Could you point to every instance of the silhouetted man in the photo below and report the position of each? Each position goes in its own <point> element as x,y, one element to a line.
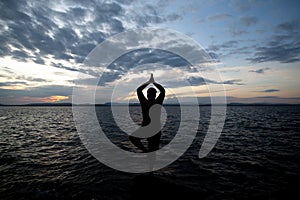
<point>146,104</point>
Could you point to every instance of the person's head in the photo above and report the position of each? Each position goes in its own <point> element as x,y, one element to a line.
<point>151,94</point>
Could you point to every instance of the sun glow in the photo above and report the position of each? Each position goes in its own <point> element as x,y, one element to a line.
<point>54,98</point>
<point>50,99</point>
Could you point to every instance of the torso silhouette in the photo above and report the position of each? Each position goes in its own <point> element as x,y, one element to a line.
<point>145,111</point>
<point>146,104</point>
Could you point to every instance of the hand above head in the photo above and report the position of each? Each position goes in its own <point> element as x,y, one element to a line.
<point>151,80</point>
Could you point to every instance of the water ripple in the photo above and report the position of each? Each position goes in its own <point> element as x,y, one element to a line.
<point>257,155</point>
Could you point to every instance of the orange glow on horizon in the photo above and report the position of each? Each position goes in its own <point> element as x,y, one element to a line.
<point>50,99</point>
<point>53,98</point>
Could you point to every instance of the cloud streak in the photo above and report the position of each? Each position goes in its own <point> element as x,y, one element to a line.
<point>248,20</point>
<point>284,47</point>
<point>270,90</point>
<point>260,71</point>
<point>222,16</point>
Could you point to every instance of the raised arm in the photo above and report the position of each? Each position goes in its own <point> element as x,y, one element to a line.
<point>159,87</point>
<point>162,91</point>
<point>140,94</point>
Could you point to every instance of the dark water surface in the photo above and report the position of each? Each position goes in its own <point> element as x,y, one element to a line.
<point>257,155</point>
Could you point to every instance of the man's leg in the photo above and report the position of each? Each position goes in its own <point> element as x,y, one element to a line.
<point>153,142</point>
<point>153,145</point>
<point>137,142</point>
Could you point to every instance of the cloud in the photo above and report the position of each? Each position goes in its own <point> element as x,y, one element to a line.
<point>248,20</point>
<point>13,83</point>
<point>214,56</point>
<point>284,46</point>
<point>226,45</point>
<point>68,30</point>
<point>260,71</point>
<point>268,97</point>
<point>29,78</point>
<point>289,26</point>
<point>41,91</point>
<point>221,16</point>
<point>230,70</point>
<point>270,90</point>
<point>227,48</point>
<point>140,60</point>
<point>146,56</point>
<point>234,82</point>
<point>237,32</point>
<point>283,53</point>
<point>108,77</point>
<point>198,81</point>
<point>173,17</point>
<point>61,66</point>
<point>243,5</point>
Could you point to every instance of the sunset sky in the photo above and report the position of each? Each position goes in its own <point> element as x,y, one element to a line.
<point>256,44</point>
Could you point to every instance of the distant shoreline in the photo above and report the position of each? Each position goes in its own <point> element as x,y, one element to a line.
<point>137,104</point>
